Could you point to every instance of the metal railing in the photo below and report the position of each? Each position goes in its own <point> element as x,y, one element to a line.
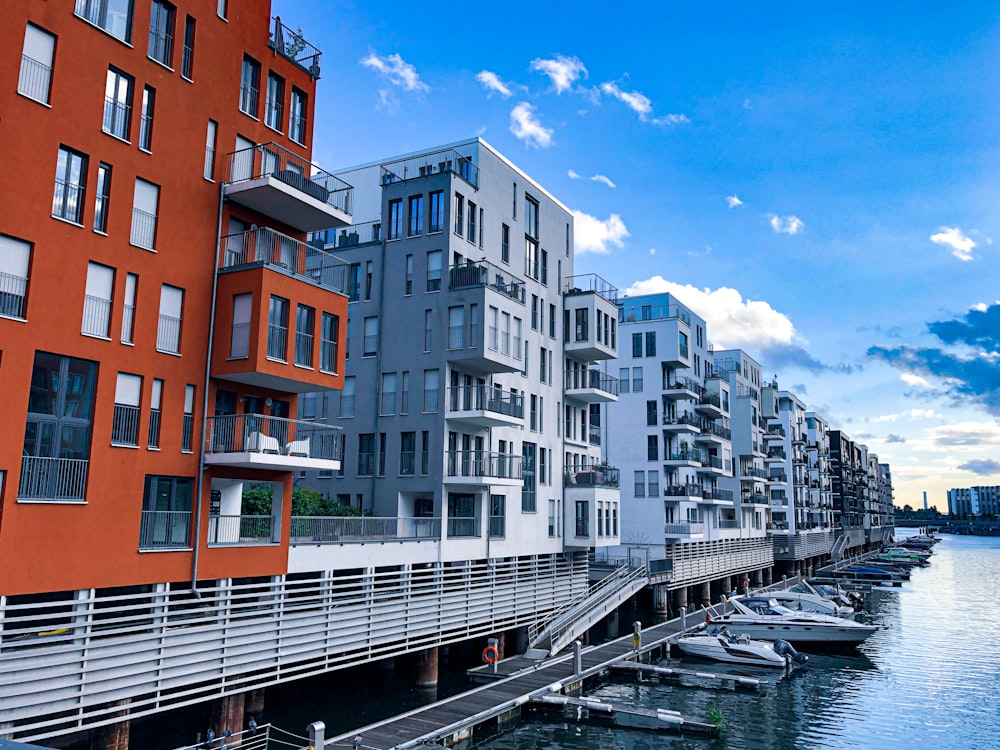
<point>718,494</point>
<point>240,530</point>
<point>146,132</point>
<point>777,453</point>
<point>128,320</point>
<point>187,61</point>
<point>464,527</point>
<point>168,334</point>
<point>594,434</point>
<point>257,433</point>
<point>711,462</point>
<point>684,528</point>
<point>456,336</point>
<point>45,478</point>
<point>753,471</point>
<point>303,349</point>
<point>361,529</point>
<point>683,490</point>
<point>117,117</point>
<point>407,463</point>
<point>34,79</point>
<point>96,316</point>
<point>328,355</point>
<point>482,397</point>
<point>710,399</point>
<point>684,456</point>
<point>249,96</point>
<point>727,524</point>
<point>290,45</point>
<point>161,46</point>
<point>680,419</point>
<point>351,236</point>
<point>274,160</point>
<point>366,463</point>
<point>482,273</point>
<point>13,295</point>
<point>268,247</point>
<point>125,425</point>
<point>591,282</point>
<point>712,428</point>
<point>461,463</point>
<point>277,341</point>
<point>683,383</point>
<point>592,475</point>
<point>153,439</point>
<point>629,313</point>
<point>187,431</point>
<point>165,529</point>
<point>593,379</point>
<point>143,232</point>
<point>67,200</point>
<point>437,162</point>
<point>755,498</point>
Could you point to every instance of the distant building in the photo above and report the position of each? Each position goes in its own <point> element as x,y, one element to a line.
<point>974,501</point>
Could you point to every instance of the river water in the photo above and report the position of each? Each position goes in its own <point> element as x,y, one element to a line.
<point>930,682</point>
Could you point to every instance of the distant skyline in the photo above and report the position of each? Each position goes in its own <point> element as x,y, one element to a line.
<point>818,182</point>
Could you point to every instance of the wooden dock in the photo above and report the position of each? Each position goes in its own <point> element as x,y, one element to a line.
<point>519,682</point>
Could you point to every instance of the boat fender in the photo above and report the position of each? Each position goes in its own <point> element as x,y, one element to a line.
<point>784,648</point>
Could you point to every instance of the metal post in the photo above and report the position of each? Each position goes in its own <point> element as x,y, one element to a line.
<point>577,657</point>
<point>683,611</point>
<point>317,734</point>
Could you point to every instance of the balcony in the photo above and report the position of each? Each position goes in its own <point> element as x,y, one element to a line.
<point>682,458</point>
<point>591,333</point>
<point>45,478</point>
<point>690,490</point>
<point>629,312</point>
<point>715,496</point>
<point>480,469</point>
<point>777,478</point>
<point>684,530</point>
<point>714,465</point>
<point>711,432</point>
<point>362,529</point>
<point>268,248</point>
<point>483,405</point>
<point>165,529</point>
<point>753,498</point>
<point>591,475</point>
<point>256,441</point>
<point>275,182</point>
<point>774,432</point>
<point>290,45</point>
<point>682,423</point>
<point>709,405</point>
<point>682,389</point>
<point>483,274</point>
<point>752,473</point>
<point>775,455</point>
<point>242,531</point>
<point>447,161</point>
<point>591,386</point>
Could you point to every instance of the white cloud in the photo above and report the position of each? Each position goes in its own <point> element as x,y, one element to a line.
<point>952,237</point>
<point>492,83</point>
<point>747,104</point>
<point>574,175</point>
<point>786,224</point>
<point>562,71</point>
<point>637,102</point>
<point>915,380</point>
<point>733,201</point>
<point>603,180</point>
<point>526,126</point>
<point>652,251</point>
<point>592,235</point>
<point>397,70</point>
<point>671,119</point>
<point>734,322</point>
<point>908,414</point>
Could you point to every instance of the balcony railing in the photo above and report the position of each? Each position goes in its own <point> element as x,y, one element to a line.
<point>463,527</point>
<point>684,456</point>
<point>241,530</point>
<point>592,475</point>
<point>726,523</point>
<point>290,45</point>
<point>13,295</point>
<point>277,342</point>
<point>775,429</point>
<point>591,282</point>
<point>684,528</point>
<point>754,498</point>
<point>239,347</point>
<point>168,334</point>
<point>67,200</point>
<point>753,471</point>
<point>629,312</point>
<point>125,425</point>
<point>257,433</point>
<point>96,316</point>
<point>718,494</point>
<point>778,477</point>
<point>482,397</point>
<point>116,118</point>
<point>683,383</point>
<point>428,164</point>
<point>710,399</point>
<point>483,464</point>
<point>361,529</point>
<point>594,379</point>
<point>165,529</point>
<point>143,233</point>
<point>484,274</point>
<point>678,419</point>
<point>34,79</point>
<point>273,249</point>
<point>777,453</point>
<point>350,236</point>
<point>594,434</point>
<point>683,490</point>
<point>303,349</point>
<point>274,160</point>
<point>44,478</point>
<point>718,430</point>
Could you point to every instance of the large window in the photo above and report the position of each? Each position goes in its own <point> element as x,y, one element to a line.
<point>297,116</point>
<point>505,244</point>
<point>168,333</point>
<point>239,342</point>
<point>161,32</point>
<point>498,516</point>
<point>145,203</point>
<point>529,485</point>
<point>213,127</point>
<point>650,343</point>
<point>187,59</point>
<point>125,422</point>
<point>15,257</point>
<point>416,215</point>
<point>117,104</point>
<point>437,211</point>
<point>146,120</point>
<point>388,404</point>
<point>57,432</point>
<point>97,300</point>
<point>277,329</point>
<point>407,454</point>
<point>582,518</point>
<point>71,173</point>
<point>432,387</point>
<point>370,337</point>
<point>103,200</point>
<point>275,101</point>
<point>114,16</point>
<point>249,86</point>
<point>636,344</point>
<point>456,327</point>
<point>166,512</point>
<point>305,324</point>
<point>328,343</point>
<point>155,400</point>
<point>35,79</point>
<point>434,271</point>
<point>395,229</point>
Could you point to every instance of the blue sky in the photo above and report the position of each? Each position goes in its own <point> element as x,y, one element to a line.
<point>817,180</point>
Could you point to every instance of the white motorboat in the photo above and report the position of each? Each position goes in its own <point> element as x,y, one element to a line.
<point>720,644</point>
<point>802,597</point>
<point>764,618</point>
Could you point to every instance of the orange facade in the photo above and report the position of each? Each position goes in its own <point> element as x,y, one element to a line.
<point>104,337</point>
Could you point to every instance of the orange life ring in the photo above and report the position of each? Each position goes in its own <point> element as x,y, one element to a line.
<point>491,655</point>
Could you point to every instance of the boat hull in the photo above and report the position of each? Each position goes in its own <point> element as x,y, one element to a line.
<point>798,633</point>
<point>711,647</point>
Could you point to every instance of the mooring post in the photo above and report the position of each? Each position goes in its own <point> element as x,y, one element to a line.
<point>683,611</point>
<point>317,734</point>
<point>577,657</point>
<point>636,635</point>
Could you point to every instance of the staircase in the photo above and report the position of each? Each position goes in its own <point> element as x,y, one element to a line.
<point>837,553</point>
<point>549,637</point>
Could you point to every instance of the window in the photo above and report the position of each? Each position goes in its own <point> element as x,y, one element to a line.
<point>168,332</point>
<point>623,379</point>
<point>277,329</point>
<point>636,344</point>
<point>582,324</point>
<point>366,454</point>
<point>347,396</point>
<point>187,58</point>
<point>117,104</point>
<point>329,336</point>
<point>650,343</point>
<point>408,276</point>
<point>156,397</point>
<point>305,324</point>
<point>530,216</point>
<point>128,308</point>
<point>395,219</point>
<point>431,388</point>
<point>239,345</point>
<point>437,211</point>
<point>381,454</point>
<point>404,393</point>
<point>531,258</point>
<point>274,101</point>
<point>533,413</point>
<point>15,256</point>
<point>482,221</point>
<point>552,321</point>
<point>221,9</point>
<point>249,86</point>
<point>505,243</point>
<point>166,512</point>
<point>370,348</point>
<point>161,32</point>
<point>71,172</point>
<point>428,334</point>
<point>97,300</point>
<point>407,454</point>
<point>553,527</point>
<point>434,271</point>
<point>498,516</point>
<point>528,488</point>
<point>494,334</point>
<point>653,483</point>
<point>459,214</point>
<point>57,432</point>
<point>517,342</point>
<point>534,312</point>
<point>582,518</point>
<point>35,79</point>
<point>125,423</point>
<point>471,236</point>
<point>545,267</point>
<point>456,327</point>
<point>416,215</point>
<point>639,485</point>
<point>101,204</point>
<point>146,120</point>
<point>542,364</point>
<point>651,412</point>
<point>213,127</point>
<point>114,16</point>
<point>145,201</point>
<point>297,117</point>
<point>388,405</point>
<point>637,380</point>
<point>425,445</point>
<point>682,342</point>
<point>354,282</point>
<point>652,448</point>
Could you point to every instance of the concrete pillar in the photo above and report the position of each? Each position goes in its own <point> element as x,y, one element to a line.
<point>113,736</point>
<point>661,602</point>
<point>253,706</point>
<point>767,576</point>
<point>501,644</point>
<point>227,714</point>
<point>680,597</point>
<point>521,640</point>
<point>426,675</point>
<point>727,585</point>
<point>612,625</point>
<point>705,595</point>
